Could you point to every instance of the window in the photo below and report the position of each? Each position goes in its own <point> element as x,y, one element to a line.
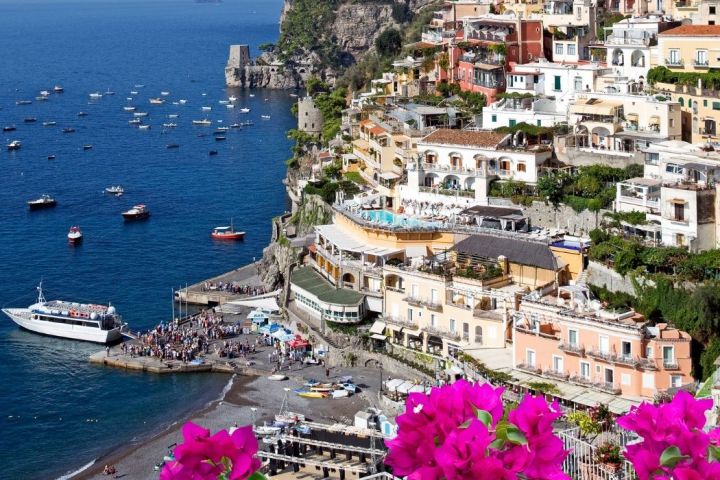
<point>648,352</point>
<point>712,10</point>
<point>478,335</point>
<point>573,337</point>
<point>705,103</point>
<point>668,355</point>
<point>558,363</point>
<point>653,158</point>
<point>505,164</point>
<point>452,325</point>
<point>466,332</point>
<point>512,122</point>
<point>710,127</point>
<point>625,379</point>
<point>604,344</point>
<point>494,119</point>
<point>414,291</point>
<point>572,49</point>
<point>585,370</point>
<point>432,320</point>
<point>410,314</point>
<point>521,166</point>
<point>680,239</point>
<point>559,48</point>
<point>626,349</point>
<point>675,381</point>
<point>716,106</point>
<point>537,122</point>
<point>578,13</point>
<point>674,168</point>
<point>648,380</point>
<point>674,57</point>
<point>556,87</point>
<point>530,358</point>
<point>609,377</point>
<point>536,78</point>
<point>672,123</point>
<point>679,212</point>
<point>701,57</point>
<point>681,101</point>
<point>578,84</point>
<point>434,296</point>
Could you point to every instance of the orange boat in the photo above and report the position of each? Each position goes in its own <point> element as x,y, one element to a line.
<point>226,233</point>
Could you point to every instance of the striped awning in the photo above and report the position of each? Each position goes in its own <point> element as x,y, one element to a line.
<point>654,120</point>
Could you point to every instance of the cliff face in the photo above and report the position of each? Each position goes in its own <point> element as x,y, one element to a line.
<point>321,44</point>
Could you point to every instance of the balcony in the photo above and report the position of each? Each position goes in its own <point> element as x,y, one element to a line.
<point>450,169</point>
<point>449,192</point>
<point>647,364</point>
<point>699,63</point>
<point>674,62</point>
<point>528,368</point>
<point>670,365</point>
<point>399,321</point>
<point>626,360</point>
<point>640,201</point>
<point>442,333</point>
<point>415,302</point>
<point>394,289</point>
<point>559,374</point>
<point>572,348</point>
<point>537,333</point>
<point>608,387</point>
<point>598,355</point>
<point>581,380</point>
<point>429,304</point>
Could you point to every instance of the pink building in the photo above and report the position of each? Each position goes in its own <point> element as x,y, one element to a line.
<point>569,337</point>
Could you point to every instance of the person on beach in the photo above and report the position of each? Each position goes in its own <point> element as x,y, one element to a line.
<point>107,351</point>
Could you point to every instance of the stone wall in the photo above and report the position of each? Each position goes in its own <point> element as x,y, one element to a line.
<point>602,276</point>
<point>544,215</point>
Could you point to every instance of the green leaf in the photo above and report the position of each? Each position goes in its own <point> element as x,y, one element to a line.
<point>515,435</point>
<point>465,424</point>
<point>671,456</point>
<point>497,444</point>
<point>257,476</point>
<point>484,416</point>
<point>713,453</point>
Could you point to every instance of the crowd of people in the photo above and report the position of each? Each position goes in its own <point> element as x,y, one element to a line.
<point>235,288</point>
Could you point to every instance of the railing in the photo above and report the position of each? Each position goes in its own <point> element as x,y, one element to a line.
<point>399,321</point>
<point>441,333</point>
<point>670,365</point>
<point>647,364</point>
<point>528,368</point>
<point>559,374</point>
<point>608,387</point>
<point>572,348</point>
<point>580,463</point>
<point>529,331</point>
<point>676,62</point>
<point>419,302</point>
<point>394,289</point>
<point>701,63</point>
<point>640,201</point>
<point>581,380</point>
<point>449,169</point>
<point>613,40</point>
<point>448,192</point>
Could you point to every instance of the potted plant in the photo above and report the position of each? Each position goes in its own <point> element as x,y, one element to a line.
<point>608,454</point>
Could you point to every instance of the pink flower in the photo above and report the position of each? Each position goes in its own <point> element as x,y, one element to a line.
<point>205,457</point>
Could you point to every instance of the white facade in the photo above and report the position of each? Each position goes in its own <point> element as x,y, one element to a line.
<point>507,113</point>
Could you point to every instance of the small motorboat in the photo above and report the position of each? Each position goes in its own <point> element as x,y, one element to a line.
<point>182,101</point>
<point>14,145</point>
<point>45,201</point>
<point>74,236</point>
<point>115,190</point>
<point>265,117</point>
<point>294,95</point>
<point>232,98</point>
<point>87,147</point>
<point>109,92</point>
<point>49,124</point>
<point>133,92</point>
<point>252,95</point>
<point>277,377</point>
<point>41,98</point>
<point>157,101</point>
<point>229,106</point>
<point>169,125</point>
<point>322,387</point>
<point>96,95</point>
<point>9,128</point>
<point>244,110</point>
<point>220,138</point>
<point>129,99</point>
<point>206,109</point>
<point>135,121</point>
<point>202,122</point>
<point>223,102</point>
<point>23,102</point>
<point>139,85</point>
<point>235,125</point>
<point>226,233</point>
<point>247,123</point>
<point>68,130</point>
<point>164,94</point>
<point>212,152</point>
<point>172,145</point>
<point>140,114</point>
<point>173,115</point>
<point>312,394</point>
<point>350,387</point>
<point>82,114</point>
<point>222,129</point>
<point>30,120</point>
<point>138,212</point>
<point>129,109</point>
<point>340,393</point>
<point>58,89</point>
<point>51,157</point>
<point>144,127</point>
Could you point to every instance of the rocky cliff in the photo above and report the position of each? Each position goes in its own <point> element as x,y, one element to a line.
<point>321,38</point>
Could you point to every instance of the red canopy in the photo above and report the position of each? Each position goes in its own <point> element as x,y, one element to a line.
<point>298,342</point>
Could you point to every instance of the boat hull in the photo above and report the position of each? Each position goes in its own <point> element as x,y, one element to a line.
<point>41,206</point>
<point>75,240</point>
<point>131,217</point>
<point>228,236</point>
<point>21,316</point>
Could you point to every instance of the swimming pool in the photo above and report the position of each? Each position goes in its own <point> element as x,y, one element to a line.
<point>390,218</point>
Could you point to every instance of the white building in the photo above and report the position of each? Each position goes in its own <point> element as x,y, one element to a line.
<point>508,112</point>
<point>677,194</point>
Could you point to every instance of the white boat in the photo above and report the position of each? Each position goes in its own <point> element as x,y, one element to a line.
<point>144,127</point>
<point>244,110</point>
<point>109,92</point>
<point>129,99</point>
<point>157,101</point>
<point>229,106</point>
<point>173,115</point>
<point>96,95</point>
<point>206,109</point>
<point>182,101</point>
<point>133,92</point>
<point>176,103</point>
<point>140,114</point>
<point>139,85</point>
<point>223,102</point>
<point>49,124</point>
<point>235,125</point>
<point>135,121</point>
<point>265,117</point>
<point>14,145</point>
<point>267,430</point>
<point>169,125</point>
<point>223,129</point>
<point>277,377</point>
<point>294,95</point>
<point>202,122</point>
<point>340,393</point>
<point>76,321</point>
<point>41,98</point>
<point>115,190</point>
<point>232,98</point>
<point>44,93</point>
<point>129,109</point>
<point>164,94</point>
<point>251,95</point>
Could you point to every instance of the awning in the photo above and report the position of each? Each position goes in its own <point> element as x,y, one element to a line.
<point>378,327</point>
<point>595,108</point>
<point>654,120</point>
<point>377,336</point>
<point>678,201</point>
<point>393,383</point>
<point>633,117</point>
<point>487,66</point>
<point>405,387</point>
<point>416,251</point>
<point>389,176</point>
<point>298,342</point>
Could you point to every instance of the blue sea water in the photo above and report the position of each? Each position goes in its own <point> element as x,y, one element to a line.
<point>57,412</point>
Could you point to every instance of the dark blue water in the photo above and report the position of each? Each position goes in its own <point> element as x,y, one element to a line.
<point>56,411</point>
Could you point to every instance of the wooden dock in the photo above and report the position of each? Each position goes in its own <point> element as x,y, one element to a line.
<point>198,295</point>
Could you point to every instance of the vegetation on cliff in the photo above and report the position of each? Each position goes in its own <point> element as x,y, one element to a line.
<point>304,29</point>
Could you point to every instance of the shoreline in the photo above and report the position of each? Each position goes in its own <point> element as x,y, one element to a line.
<point>124,451</point>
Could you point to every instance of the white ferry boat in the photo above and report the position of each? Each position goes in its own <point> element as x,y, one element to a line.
<point>76,321</point>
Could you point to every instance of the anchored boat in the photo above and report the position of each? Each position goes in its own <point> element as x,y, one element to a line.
<point>76,321</point>
<point>74,236</point>
<point>138,212</point>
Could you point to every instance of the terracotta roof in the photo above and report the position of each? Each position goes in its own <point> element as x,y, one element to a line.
<point>376,130</point>
<point>693,30</point>
<point>465,137</point>
<point>365,123</point>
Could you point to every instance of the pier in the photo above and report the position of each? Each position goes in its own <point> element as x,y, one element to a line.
<point>198,294</point>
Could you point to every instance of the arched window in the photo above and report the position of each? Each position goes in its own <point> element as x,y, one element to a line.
<point>478,335</point>
<point>689,102</point>
<point>521,167</point>
<point>681,101</point>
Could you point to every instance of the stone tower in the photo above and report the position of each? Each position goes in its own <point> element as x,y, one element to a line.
<point>235,68</point>
<point>310,119</point>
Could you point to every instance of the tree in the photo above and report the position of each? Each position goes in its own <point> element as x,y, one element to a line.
<point>551,185</point>
<point>389,42</point>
